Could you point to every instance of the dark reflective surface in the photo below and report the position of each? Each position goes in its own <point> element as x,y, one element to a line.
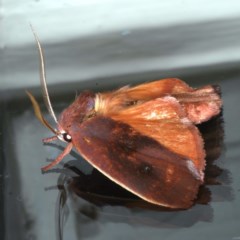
<point>76,202</point>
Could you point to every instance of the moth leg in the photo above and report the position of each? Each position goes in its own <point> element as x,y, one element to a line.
<point>59,158</point>
<point>50,139</point>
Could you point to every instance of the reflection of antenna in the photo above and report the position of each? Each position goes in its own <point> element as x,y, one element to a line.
<point>43,78</point>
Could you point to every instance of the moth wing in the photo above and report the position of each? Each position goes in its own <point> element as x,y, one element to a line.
<point>200,104</point>
<point>137,162</point>
<point>117,100</point>
<point>164,120</point>
<point>156,89</point>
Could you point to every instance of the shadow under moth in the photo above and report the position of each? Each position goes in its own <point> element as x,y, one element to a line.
<point>143,138</point>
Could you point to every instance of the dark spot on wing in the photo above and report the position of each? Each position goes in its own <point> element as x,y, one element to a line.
<point>131,103</point>
<point>145,169</point>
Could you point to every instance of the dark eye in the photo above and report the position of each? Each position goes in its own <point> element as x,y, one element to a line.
<point>66,137</point>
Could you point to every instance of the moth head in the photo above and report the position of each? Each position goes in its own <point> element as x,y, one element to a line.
<point>81,109</point>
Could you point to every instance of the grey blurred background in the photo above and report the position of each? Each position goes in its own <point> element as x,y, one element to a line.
<point>97,39</point>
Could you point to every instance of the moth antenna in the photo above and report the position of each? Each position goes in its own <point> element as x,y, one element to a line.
<point>43,77</point>
<point>38,113</point>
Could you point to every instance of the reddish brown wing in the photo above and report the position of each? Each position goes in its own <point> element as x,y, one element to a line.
<point>164,120</point>
<point>112,102</point>
<point>159,88</point>
<point>199,104</point>
<point>137,162</point>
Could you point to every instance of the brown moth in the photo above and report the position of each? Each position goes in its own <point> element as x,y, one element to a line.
<point>143,138</point>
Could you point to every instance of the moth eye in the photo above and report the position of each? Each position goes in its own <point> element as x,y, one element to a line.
<point>66,137</point>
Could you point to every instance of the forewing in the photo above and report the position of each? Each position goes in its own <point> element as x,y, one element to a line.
<point>137,162</point>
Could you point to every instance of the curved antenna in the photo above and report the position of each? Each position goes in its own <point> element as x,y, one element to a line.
<point>43,78</point>
<point>38,113</point>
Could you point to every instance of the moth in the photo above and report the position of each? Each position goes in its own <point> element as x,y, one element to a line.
<point>143,138</point>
